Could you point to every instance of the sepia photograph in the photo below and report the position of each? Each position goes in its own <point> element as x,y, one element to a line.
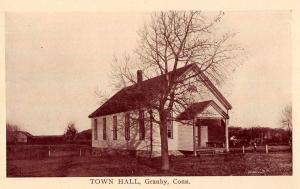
<point>150,93</point>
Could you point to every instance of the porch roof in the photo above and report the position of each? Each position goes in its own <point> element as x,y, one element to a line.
<point>199,107</point>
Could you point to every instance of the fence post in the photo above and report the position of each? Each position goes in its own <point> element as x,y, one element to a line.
<point>49,151</point>
<point>243,149</point>
<point>267,150</point>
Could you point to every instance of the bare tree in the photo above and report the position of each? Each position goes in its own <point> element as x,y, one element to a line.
<point>286,120</point>
<point>171,40</point>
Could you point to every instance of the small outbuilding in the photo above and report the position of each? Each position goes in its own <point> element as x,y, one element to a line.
<point>22,136</point>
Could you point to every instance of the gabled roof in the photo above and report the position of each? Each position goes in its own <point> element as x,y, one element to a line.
<point>198,108</point>
<point>138,95</point>
<point>24,133</point>
<point>207,82</point>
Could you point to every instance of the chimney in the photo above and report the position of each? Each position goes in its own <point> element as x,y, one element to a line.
<point>139,75</point>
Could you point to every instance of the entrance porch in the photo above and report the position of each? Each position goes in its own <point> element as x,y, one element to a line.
<point>210,126</point>
<point>209,135</point>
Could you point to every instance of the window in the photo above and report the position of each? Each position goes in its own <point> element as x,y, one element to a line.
<point>127,126</point>
<point>95,129</point>
<point>141,125</point>
<point>104,128</point>
<point>170,127</point>
<point>115,135</point>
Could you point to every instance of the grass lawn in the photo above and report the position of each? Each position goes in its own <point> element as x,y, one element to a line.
<point>204,165</point>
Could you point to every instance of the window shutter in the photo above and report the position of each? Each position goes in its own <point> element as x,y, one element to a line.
<point>127,126</point>
<point>170,126</point>
<point>95,129</point>
<point>104,128</point>
<point>141,125</point>
<point>115,134</point>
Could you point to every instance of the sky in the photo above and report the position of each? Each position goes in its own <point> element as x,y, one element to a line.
<point>56,61</point>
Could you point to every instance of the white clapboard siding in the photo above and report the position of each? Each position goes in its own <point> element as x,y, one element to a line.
<point>185,137</point>
<point>156,138</point>
<point>172,143</point>
<point>134,143</point>
<point>207,95</point>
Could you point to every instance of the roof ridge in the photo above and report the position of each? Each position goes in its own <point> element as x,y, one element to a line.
<point>135,89</point>
<point>199,107</point>
<point>136,95</point>
<point>186,67</point>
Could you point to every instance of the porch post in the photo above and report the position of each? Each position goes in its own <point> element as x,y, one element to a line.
<point>226,135</point>
<point>194,138</point>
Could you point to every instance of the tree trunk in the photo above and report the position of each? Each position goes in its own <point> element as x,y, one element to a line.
<point>165,164</point>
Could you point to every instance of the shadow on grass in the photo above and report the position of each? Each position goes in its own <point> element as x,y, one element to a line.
<point>203,165</point>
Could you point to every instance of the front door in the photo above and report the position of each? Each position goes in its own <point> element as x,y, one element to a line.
<point>202,136</point>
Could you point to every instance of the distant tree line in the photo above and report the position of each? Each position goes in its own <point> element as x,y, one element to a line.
<point>239,136</point>
<point>71,135</point>
<point>11,133</point>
